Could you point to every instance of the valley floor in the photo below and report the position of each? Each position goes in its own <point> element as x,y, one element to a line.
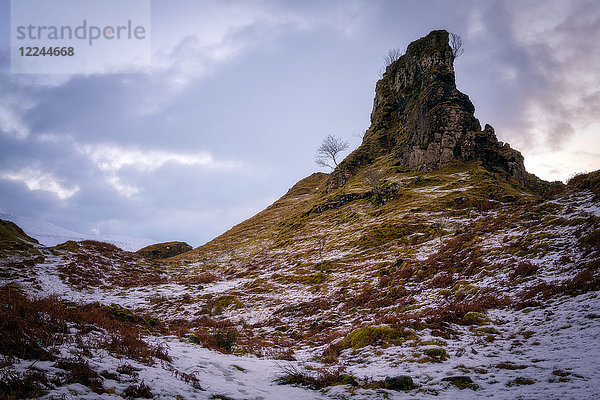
<point>547,352</point>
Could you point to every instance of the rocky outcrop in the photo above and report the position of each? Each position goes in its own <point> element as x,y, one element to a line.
<point>164,250</point>
<point>424,122</point>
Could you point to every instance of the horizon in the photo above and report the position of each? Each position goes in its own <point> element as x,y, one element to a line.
<point>241,94</point>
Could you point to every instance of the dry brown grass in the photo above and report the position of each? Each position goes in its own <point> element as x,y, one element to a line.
<point>316,380</point>
<point>33,328</point>
<point>524,269</point>
<point>22,385</point>
<point>99,264</point>
<point>78,371</point>
<point>586,280</point>
<point>441,318</point>
<point>206,277</point>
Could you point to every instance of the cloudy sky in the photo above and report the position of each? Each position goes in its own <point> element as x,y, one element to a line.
<point>240,94</point>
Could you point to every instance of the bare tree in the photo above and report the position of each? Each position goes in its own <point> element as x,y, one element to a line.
<point>456,43</point>
<point>375,180</point>
<point>391,56</point>
<point>359,135</point>
<point>330,147</point>
<point>321,242</point>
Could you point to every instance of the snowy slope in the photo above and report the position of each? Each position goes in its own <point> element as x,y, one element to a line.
<point>50,235</point>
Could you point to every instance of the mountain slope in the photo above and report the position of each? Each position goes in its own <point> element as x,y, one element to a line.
<point>50,235</point>
<point>422,126</point>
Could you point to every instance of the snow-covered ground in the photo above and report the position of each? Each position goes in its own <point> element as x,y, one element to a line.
<point>548,353</point>
<point>50,235</point>
<point>543,349</point>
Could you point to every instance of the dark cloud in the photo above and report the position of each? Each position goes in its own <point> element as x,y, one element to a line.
<point>545,85</point>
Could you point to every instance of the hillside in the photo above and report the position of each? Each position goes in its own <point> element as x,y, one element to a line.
<point>429,263</point>
<point>50,235</point>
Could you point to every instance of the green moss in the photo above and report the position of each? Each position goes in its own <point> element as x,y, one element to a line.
<point>488,330</point>
<point>375,336</point>
<point>436,354</point>
<point>463,289</point>
<point>192,338</point>
<point>474,318</point>
<point>221,303</point>
<point>125,314</point>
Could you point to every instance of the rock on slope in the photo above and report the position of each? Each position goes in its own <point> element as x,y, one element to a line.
<point>164,250</point>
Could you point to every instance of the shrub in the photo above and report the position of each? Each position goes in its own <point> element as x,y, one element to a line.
<point>79,371</point>
<point>590,181</point>
<point>524,269</point>
<point>32,329</point>
<point>136,391</point>
<point>584,281</point>
<point>323,378</point>
<point>30,384</point>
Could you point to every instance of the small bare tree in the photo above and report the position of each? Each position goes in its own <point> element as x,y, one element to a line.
<point>359,135</point>
<point>391,56</point>
<point>330,147</point>
<point>375,180</point>
<point>321,242</point>
<point>456,44</point>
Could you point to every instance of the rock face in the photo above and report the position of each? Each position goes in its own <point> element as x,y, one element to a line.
<point>424,122</point>
<point>164,250</point>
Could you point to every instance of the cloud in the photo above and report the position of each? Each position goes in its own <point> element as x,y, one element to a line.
<point>11,120</point>
<point>193,41</point>
<point>561,165</point>
<point>35,179</point>
<point>124,189</point>
<point>564,41</point>
<point>546,54</point>
<point>112,159</point>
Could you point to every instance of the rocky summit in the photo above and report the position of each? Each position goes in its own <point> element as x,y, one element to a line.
<point>420,120</point>
<point>428,264</point>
